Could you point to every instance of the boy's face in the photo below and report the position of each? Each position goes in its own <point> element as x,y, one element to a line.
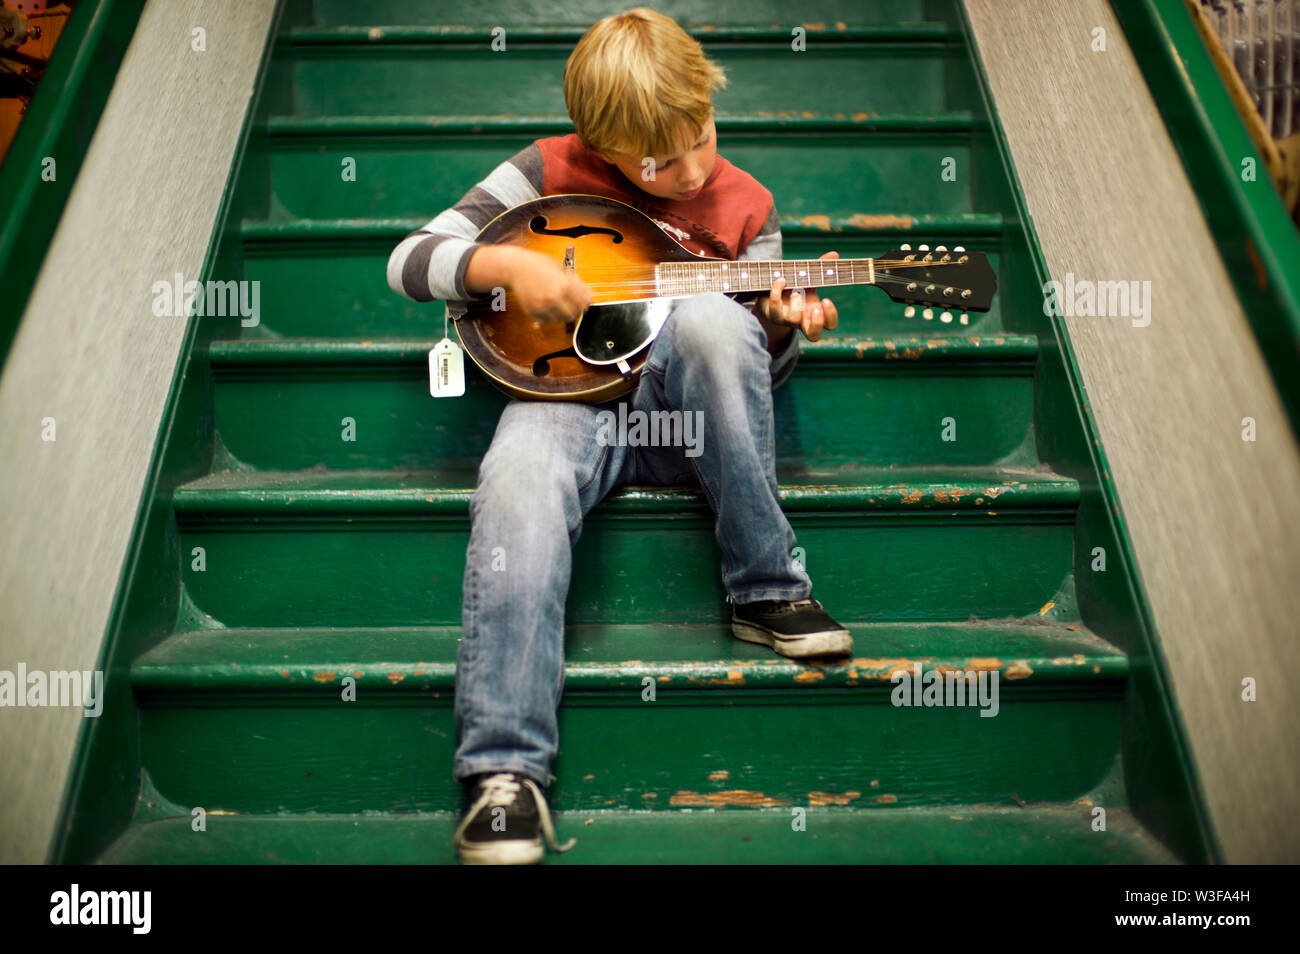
<point>679,176</point>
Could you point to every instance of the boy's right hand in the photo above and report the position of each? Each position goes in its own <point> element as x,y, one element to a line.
<point>547,290</point>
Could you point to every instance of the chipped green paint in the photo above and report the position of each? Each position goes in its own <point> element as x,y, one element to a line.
<point>417,660</point>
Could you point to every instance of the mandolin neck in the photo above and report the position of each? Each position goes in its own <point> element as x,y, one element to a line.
<point>688,278</point>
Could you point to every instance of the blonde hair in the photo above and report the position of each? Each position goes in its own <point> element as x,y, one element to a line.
<point>637,84</point>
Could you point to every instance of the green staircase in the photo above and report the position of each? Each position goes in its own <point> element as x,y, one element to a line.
<point>277,559</point>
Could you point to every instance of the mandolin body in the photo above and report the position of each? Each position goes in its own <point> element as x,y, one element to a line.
<point>606,243</point>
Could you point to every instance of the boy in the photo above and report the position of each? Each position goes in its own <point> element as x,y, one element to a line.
<point>639,91</point>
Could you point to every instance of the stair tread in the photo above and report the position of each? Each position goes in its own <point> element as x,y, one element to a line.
<point>695,656</point>
<point>901,351</point>
<point>1036,834</point>
<point>236,492</point>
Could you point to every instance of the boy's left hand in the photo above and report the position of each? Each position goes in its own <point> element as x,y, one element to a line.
<point>791,308</point>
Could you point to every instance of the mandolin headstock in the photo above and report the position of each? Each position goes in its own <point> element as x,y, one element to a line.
<point>938,276</point>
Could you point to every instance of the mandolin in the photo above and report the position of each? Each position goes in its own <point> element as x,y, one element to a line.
<point>635,271</point>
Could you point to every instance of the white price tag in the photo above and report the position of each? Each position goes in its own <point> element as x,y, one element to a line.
<point>446,369</point>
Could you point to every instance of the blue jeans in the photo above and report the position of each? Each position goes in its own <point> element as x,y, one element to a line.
<point>548,466</point>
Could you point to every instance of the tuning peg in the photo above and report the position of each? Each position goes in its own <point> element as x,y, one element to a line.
<point>965,318</point>
<point>923,248</point>
<point>958,248</point>
<point>909,311</point>
<point>946,317</point>
<point>928,314</point>
<point>905,247</point>
<point>947,292</point>
<point>941,248</point>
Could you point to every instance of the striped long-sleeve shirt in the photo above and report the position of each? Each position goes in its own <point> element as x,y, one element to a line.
<point>733,217</point>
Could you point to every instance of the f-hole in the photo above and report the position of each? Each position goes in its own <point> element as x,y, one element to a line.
<point>538,225</point>
<point>542,366</point>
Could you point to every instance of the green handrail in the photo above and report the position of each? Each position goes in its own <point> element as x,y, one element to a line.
<point>59,124</point>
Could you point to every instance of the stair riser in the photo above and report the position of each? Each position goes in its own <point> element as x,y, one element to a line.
<point>351,757</point>
<point>282,420</point>
<point>654,569</point>
<point>357,302</point>
<point>423,79</point>
<point>420,176</point>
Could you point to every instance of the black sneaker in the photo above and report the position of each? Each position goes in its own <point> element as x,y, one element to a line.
<point>501,824</point>
<point>798,629</point>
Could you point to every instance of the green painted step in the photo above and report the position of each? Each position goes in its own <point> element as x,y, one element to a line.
<point>284,666</point>
<point>1034,835</point>
<point>254,720</point>
<point>386,493</point>
<point>337,70</point>
<point>280,404</point>
<point>408,168</point>
<point>818,16</point>
<point>288,259</point>
<point>304,550</point>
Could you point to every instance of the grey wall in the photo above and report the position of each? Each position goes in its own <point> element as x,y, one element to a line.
<point>91,355</point>
<point>1214,520</point>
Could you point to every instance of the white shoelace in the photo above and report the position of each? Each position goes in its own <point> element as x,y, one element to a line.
<point>499,791</point>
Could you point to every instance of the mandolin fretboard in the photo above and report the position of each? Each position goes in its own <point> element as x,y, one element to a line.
<point>675,279</point>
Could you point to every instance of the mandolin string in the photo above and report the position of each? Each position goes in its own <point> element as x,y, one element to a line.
<point>631,289</point>
<point>649,275</point>
<point>650,284</point>
<point>877,263</point>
